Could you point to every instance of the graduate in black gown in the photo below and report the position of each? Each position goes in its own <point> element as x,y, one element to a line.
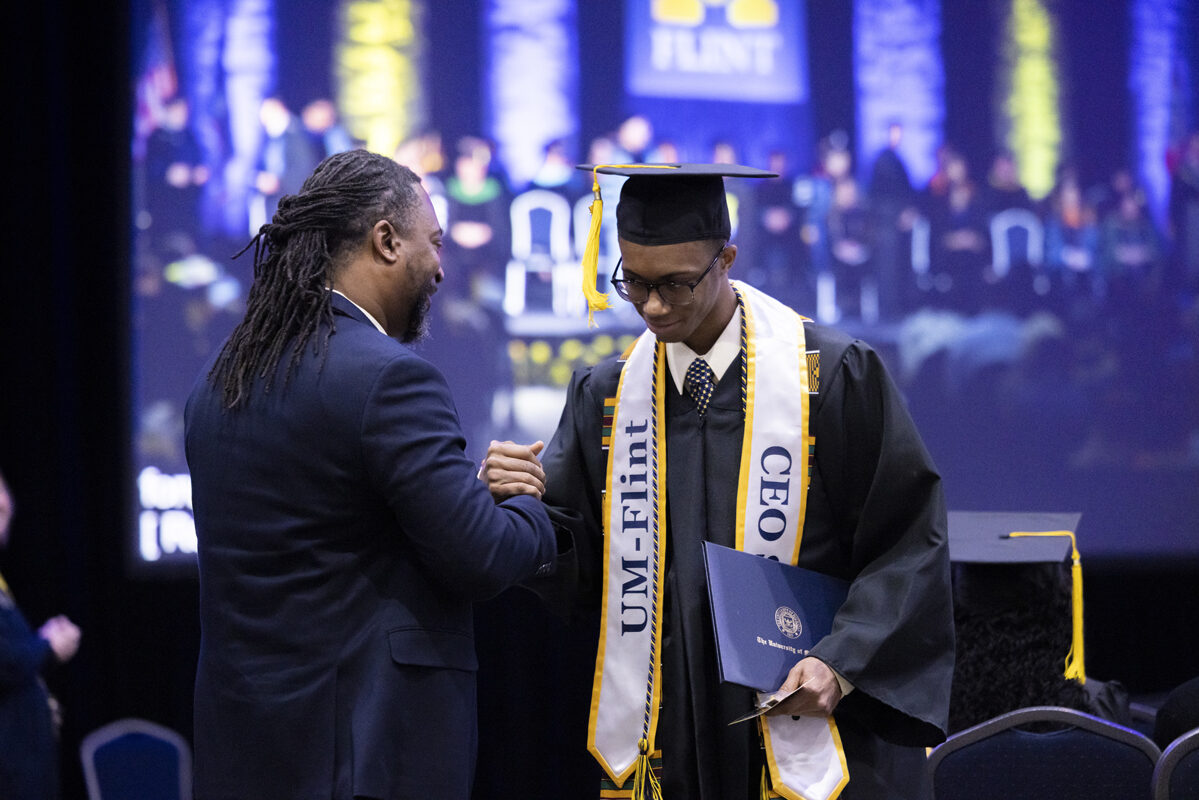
<point>875,516</point>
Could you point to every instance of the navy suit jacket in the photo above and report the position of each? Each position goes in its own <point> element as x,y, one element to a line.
<point>343,536</point>
<point>28,746</point>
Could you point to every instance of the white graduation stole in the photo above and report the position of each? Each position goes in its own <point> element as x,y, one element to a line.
<point>804,755</point>
<point>627,688</point>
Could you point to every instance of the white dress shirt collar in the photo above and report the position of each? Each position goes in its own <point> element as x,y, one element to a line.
<point>374,321</point>
<point>723,353</point>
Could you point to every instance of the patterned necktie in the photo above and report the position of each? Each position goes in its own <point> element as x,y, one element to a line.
<point>700,382</point>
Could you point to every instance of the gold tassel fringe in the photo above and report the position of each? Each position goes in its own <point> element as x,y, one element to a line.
<point>646,785</point>
<point>596,300</point>
<point>1075,661</point>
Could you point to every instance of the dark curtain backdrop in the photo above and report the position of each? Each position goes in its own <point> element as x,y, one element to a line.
<point>64,373</point>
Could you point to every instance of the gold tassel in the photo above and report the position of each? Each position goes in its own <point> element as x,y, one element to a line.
<point>1075,661</point>
<point>596,300</point>
<point>645,783</point>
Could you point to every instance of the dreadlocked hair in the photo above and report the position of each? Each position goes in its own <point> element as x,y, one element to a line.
<point>295,256</point>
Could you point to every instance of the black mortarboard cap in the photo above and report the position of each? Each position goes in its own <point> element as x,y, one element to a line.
<point>984,537</point>
<point>661,204</point>
<point>986,540</point>
<point>672,203</point>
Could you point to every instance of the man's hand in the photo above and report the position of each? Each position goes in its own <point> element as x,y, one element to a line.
<point>816,699</point>
<point>63,636</point>
<point>511,469</point>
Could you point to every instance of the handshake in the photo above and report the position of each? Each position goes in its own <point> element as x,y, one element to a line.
<point>510,469</point>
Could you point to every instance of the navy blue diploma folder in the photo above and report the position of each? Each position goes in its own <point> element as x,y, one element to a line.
<point>767,614</point>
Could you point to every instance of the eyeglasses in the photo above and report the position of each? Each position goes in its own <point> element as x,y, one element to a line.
<point>674,294</point>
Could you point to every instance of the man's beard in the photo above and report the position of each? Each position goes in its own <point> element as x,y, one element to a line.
<point>418,317</point>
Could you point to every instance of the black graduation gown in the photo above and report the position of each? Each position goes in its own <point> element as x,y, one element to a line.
<point>875,516</point>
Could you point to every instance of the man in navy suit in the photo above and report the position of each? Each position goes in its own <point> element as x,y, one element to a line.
<point>343,534</point>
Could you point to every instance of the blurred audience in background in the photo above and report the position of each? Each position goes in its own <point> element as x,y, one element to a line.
<point>328,135</point>
<point>287,157</point>
<point>880,252</point>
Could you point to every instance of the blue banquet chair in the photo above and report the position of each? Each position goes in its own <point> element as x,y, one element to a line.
<point>135,759</point>
<point>1044,751</point>
<point>1177,774</point>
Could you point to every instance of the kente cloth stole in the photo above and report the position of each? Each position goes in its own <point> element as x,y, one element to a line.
<point>804,755</point>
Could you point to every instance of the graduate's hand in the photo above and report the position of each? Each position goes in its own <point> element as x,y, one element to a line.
<point>819,694</point>
<point>511,469</point>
